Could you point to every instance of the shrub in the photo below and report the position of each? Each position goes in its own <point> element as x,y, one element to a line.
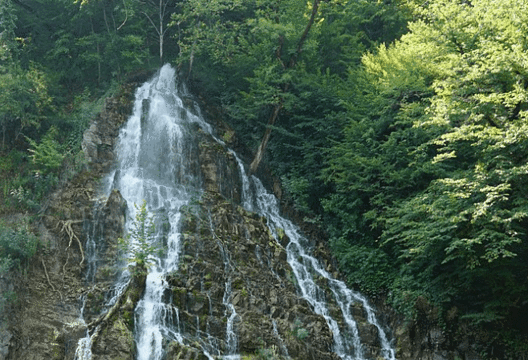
<point>17,246</point>
<point>140,243</point>
<point>48,155</point>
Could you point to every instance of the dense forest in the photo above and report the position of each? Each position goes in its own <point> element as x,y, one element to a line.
<point>400,127</point>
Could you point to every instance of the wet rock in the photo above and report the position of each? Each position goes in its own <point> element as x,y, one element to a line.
<point>45,324</point>
<point>178,351</point>
<point>99,140</point>
<point>240,251</point>
<point>368,333</point>
<point>5,340</point>
<point>219,169</point>
<point>117,342</point>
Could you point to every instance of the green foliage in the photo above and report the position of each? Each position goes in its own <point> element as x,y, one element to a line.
<point>6,264</point>
<point>270,353</point>
<point>368,268</point>
<point>431,170</point>
<point>84,108</point>
<point>85,45</point>
<point>140,244</point>
<point>47,155</point>
<point>7,33</point>
<point>22,187</point>
<point>52,153</point>
<point>17,245</point>
<point>299,331</point>
<point>24,101</point>
<point>245,54</point>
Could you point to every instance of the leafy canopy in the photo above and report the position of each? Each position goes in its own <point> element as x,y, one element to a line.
<point>433,165</point>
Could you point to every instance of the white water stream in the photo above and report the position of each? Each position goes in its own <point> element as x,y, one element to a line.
<point>305,267</point>
<point>158,162</point>
<point>157,157</point>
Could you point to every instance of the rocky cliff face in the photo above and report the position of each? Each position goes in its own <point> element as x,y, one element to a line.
<point>224,244</point>
<point>229,249</point>
<point>44,324</point>
<point>229,258</point>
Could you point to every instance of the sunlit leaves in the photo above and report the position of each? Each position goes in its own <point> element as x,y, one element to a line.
<point>24,100</point>
<point>447,105</point>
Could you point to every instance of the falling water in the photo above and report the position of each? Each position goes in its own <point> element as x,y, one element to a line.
<point>157,162</point>
<point>230,312</point>
<point>94,230</point>
<point>347,346</point>
<point>281,342</point>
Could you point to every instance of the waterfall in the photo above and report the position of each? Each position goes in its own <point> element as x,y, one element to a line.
<point>257,198</point>
<point>157,162</point>
<point>230,312</point>
<point>94,231</point>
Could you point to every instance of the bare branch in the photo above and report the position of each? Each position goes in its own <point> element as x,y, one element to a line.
<point>126,16</point>
<point>152,22</point>
<point>49,281</point>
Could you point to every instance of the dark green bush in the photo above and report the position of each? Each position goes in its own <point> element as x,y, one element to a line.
<point>17,246</point>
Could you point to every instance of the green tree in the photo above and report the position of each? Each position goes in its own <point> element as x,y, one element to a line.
<point>7,31</point>
<point>433,161</point>
<point>84,43</point>
<point>258,44</point>
<point>24,101</point>
<point>140,243</point>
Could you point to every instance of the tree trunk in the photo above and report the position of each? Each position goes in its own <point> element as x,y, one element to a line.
<point>293,60</point>
<point>264,142</point>
<point>161,32</point>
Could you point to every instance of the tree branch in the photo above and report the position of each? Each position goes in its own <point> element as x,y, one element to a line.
<point>300,44</point>
<point>152,22</point>
<point>264,142</point>
<point>273,118</point>
<point>126,16</point>
<point>278,53</point>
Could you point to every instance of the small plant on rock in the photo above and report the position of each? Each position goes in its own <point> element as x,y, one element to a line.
<point>140,243</point>
<point>299,331</point>
<point>270,353</point>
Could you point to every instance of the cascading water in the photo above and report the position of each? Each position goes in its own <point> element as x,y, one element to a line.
<point>256,198</point>
<point>158,163</point>
<point>230,312</point>
<point>94,232</point>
